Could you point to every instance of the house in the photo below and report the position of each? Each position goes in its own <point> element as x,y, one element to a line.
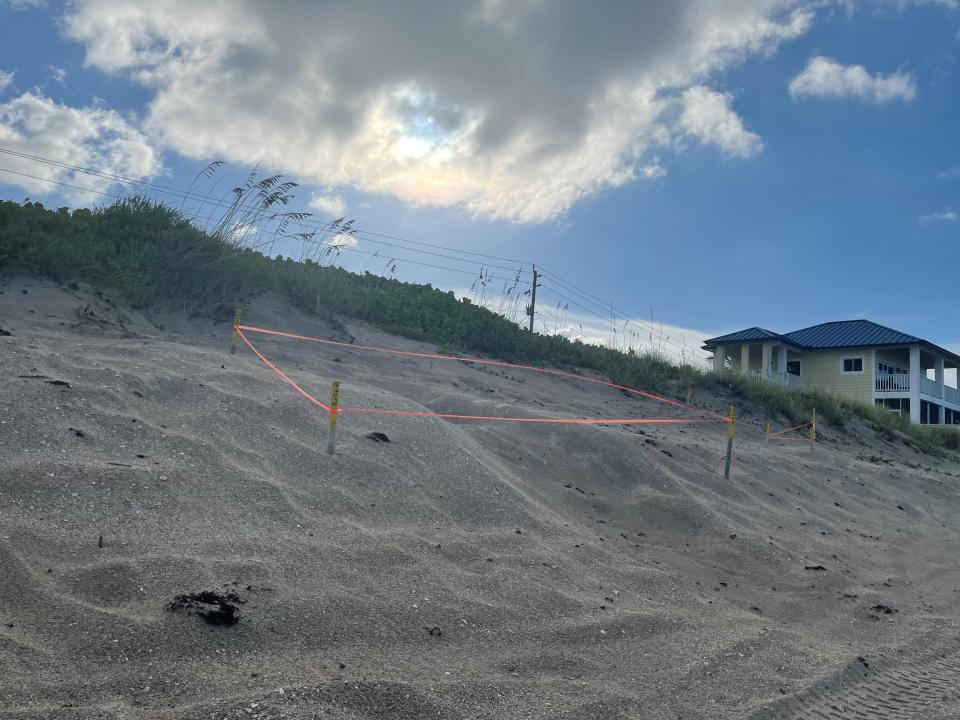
<point>855,359</point>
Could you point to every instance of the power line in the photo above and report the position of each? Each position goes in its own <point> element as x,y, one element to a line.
<point>603,304</point>
<point>444,247</point>
<point>355,250</point>
<point>627,317</point>
<point>220,202</point>
<point>58,182</point>
<point>367,236</point>
<point>391,258</point>
<point>681,350</point>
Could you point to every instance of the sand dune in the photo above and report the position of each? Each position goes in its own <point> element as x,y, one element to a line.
<point>460,570</point>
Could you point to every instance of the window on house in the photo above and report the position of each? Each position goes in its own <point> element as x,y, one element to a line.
<point>793,367</point>
<point>853,365</point>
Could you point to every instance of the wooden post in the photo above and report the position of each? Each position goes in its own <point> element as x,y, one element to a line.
<point>689,393</point>
<point>769,428</point>
<point>733,422</point>
<point>234,336</point>
<point>334,405</point>
<point>813,429</point>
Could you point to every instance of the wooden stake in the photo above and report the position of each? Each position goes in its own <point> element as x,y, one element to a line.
<point>730,430</point>
<point>813,429</point>
<point>769,428</point>
<point>689,394</point>
<point>334,407</point>
<point>234,336</point>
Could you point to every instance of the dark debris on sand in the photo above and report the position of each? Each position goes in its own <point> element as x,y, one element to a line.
<point>214,608</point>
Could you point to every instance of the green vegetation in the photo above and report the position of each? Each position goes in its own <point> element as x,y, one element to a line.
<point>154,256</point>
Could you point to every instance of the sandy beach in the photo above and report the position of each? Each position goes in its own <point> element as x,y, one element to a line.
<point>449,569</point>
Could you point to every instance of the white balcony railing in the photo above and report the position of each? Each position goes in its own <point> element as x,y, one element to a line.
<point>931,387</point>
<point>890,382</point>
<point>893,382</point>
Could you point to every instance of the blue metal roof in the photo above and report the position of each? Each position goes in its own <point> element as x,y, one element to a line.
<point>748,335</point>
<point>849,333</point>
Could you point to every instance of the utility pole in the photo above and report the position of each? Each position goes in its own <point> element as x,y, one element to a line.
<point>531,308</point>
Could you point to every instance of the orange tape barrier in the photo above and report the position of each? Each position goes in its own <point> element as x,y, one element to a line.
<point>781,434</point>
<point>280,372</point>
<point>411,413</point>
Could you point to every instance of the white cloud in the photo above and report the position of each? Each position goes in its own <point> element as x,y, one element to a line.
<point>87,137</point>
<point>512,110</point>
<point>333,206</point>
<point>949,173</point>
<point>24,4</point>
<point>824,77</point>
<point>948,215</point>
<point>708,116</point>
<point>343,240</point>
<point>6,80</point>
<point>58,74</point>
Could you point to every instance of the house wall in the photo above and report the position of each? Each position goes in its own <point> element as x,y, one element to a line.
<point>823,370</point>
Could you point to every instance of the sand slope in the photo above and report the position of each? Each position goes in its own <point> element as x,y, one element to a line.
<point>462,570</point>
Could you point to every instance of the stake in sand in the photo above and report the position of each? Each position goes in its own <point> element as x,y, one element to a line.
<point>813,429</point>
<point>235,335</point>
<point>730,430</point>
<point>334,406</point>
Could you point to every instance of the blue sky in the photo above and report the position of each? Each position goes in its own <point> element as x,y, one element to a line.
<point>804,168</point>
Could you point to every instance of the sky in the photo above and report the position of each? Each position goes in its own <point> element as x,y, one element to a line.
<point>687,168</point>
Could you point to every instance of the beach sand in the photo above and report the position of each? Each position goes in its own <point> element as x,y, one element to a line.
<point>462,570</point>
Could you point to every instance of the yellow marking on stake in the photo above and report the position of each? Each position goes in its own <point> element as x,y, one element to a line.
<point>334,401</point>
<point>733,421</point>
<point>235,335</point>
<point>813,428</point>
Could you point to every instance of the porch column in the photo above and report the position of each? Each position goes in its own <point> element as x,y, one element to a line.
<point>938,369</point>
<point>745,359</point>
<point>719,358</point>
<point>782,360</point>
<point>915,384</point>
<point>765,362</point>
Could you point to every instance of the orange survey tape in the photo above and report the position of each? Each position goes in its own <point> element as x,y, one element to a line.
<point>455,416</point>
<point>781,434</point>
<point>280,372</point>
<point>480,361</point>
